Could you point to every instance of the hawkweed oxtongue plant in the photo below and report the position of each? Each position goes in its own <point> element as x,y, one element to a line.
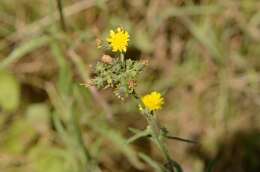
<point>117,73</point>
<point>121,75</point>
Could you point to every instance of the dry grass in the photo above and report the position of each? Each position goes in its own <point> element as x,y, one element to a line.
<point>203,55</point>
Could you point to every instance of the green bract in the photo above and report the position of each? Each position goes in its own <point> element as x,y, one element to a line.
<point>119,75</point>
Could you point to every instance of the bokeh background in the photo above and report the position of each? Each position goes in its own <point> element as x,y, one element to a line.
<point>204,56</point>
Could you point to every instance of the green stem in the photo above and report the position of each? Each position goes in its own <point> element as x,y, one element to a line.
<point>62,19</point>
<point>122,57</point>
<point>156,134</point>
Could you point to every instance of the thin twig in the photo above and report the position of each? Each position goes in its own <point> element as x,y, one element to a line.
<point>62,19</point>
<point>181,139</point>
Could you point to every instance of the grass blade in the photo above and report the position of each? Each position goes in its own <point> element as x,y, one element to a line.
<point>25,48</point>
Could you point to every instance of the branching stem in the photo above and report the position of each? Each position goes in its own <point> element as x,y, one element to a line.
<point>157,136</point>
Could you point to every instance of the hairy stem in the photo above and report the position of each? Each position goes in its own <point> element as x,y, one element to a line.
<point>157,136</point>
<point>122,57</point>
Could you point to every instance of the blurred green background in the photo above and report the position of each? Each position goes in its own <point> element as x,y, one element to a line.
<point>204,56</point>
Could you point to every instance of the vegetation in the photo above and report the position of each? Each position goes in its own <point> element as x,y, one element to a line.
<point>107,86</point>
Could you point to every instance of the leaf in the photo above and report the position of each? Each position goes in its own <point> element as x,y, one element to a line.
<point>65,76</point>
<point>38,115</point>
<point>48,158</point>
<point>151,162</point>
<point>9,92</point>
<point>118,140</point>
<point>139,135</point>
<point>15,139</point>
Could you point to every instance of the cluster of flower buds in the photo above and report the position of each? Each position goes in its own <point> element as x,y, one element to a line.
<point>115,71</point>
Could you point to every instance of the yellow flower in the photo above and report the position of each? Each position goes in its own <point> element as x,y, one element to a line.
<point>118,40</point>
<point>153,101</point>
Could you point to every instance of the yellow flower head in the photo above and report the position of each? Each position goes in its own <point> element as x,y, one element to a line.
<point>118,40</point>
<point>153,101</point>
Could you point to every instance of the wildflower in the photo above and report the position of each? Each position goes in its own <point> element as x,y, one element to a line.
<point>118,40</point>
<point>153,101</point>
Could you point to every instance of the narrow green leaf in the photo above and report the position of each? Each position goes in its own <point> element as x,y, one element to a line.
<point>65,75</point>
<point>23,49</point>
<point>9,91</point>
<point>117,140</point>
<point>38,115</point>
<point>151,162</point>
<point>139,135</point>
